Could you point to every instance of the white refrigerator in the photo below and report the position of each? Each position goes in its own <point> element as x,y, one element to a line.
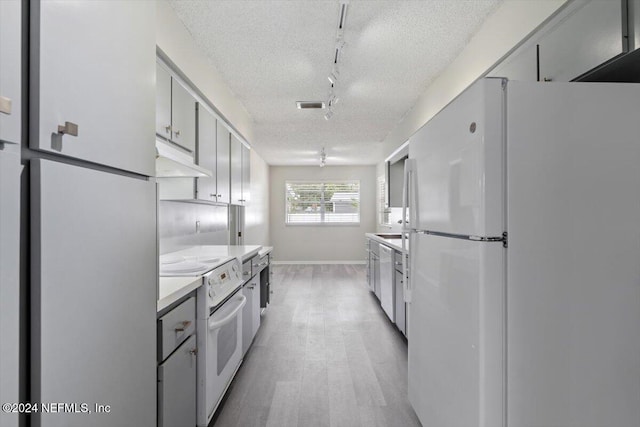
<point>525,257</point>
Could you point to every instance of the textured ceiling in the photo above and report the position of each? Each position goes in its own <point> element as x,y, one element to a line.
<point>274,53</point>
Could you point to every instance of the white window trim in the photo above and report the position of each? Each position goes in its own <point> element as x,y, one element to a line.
<point>322,223</point>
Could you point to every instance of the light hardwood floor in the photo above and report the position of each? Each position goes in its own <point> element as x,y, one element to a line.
<point>325,355</point>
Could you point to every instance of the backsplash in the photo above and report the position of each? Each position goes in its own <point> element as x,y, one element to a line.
<point>177,227</point>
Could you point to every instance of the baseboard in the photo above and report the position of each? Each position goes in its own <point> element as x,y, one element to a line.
<point>317,262</point>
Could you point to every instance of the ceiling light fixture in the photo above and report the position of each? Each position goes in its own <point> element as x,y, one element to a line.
<point>342,19</point>
<point>323,158</point>
<point>304,105</point>
<point>333,76</point>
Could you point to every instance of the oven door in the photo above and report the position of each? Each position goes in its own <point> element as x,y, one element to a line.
<point>223,352</point>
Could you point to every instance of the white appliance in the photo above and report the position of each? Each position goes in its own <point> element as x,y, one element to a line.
<point>219,336</point>
<point>387,291</point>
<point>543,331</point>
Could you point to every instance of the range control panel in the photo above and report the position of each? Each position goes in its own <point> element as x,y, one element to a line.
<point>222,281</point>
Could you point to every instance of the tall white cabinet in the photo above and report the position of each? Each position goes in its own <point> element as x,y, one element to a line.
<point>10,138</point>
<point>93,83</point>
<point>10,74</point>
<point>93,222</point>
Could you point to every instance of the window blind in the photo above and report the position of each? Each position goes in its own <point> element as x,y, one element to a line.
<point>322,202</point>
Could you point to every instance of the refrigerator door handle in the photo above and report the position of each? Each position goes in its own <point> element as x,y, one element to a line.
<point>490,239</point>
<point>406,231</point>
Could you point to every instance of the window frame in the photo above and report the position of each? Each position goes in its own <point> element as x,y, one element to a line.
<point>322,222</point>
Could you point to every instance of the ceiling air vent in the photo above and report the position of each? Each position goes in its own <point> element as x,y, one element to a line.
<point>303,105</point>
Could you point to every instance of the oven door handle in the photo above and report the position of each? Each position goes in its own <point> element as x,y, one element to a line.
<point>217,324</point>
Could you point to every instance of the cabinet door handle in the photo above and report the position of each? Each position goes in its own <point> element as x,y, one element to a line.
<point>5,105</point>
<point>167,129</point>
<point>69,128</point>
<point>245,273</point>
<point>219,195</point>
<point>184,326</point>
<point>193,351</point>
<point>177,133</point>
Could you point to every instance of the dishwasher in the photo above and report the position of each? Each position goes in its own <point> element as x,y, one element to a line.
<point>387,292</point>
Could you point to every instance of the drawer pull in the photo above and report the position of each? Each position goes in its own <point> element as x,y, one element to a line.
<point>184,326</point>
<point>69,128</point>
<point>5,105</point>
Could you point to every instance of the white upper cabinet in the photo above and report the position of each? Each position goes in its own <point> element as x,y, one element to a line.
<point>93,81</point>
<point>634,23</point>
<point>588,37</point>
<point>246,174</point>
<point>183,117</point>
<point>520,65</point>
<point>207,188</point>
<point>223,163</point>
<point>163,102</point>
<point>10,48</point>
<point>236,171</point>
<point>175,111</point>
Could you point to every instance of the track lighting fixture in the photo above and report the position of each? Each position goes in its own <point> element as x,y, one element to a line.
<point>333,76</point>
<point>328,115</point>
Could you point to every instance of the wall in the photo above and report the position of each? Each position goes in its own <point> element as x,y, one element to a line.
<point>505,29</point>
<point>321,244</point>
<point>502,32</point>
<point>178,46</point>
<point>177,225</point>
<point>256,214</point>
<point>179,49</point>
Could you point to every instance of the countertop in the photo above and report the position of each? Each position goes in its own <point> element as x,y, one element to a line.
<point>395,244</point>
<point>242,252</point>
<point>265,250</point>
<point>171,289</point>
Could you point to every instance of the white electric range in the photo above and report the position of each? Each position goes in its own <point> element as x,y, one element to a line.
<point>218,325</point>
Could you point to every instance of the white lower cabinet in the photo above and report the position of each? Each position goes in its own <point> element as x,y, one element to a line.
<point>177,387</point>
<point>401,313</point>
<point>251,312</point>
<point>177,369</point>
<point>387,291</point>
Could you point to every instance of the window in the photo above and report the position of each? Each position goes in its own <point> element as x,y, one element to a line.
<point>383,211</point>
<point>322,202</point>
